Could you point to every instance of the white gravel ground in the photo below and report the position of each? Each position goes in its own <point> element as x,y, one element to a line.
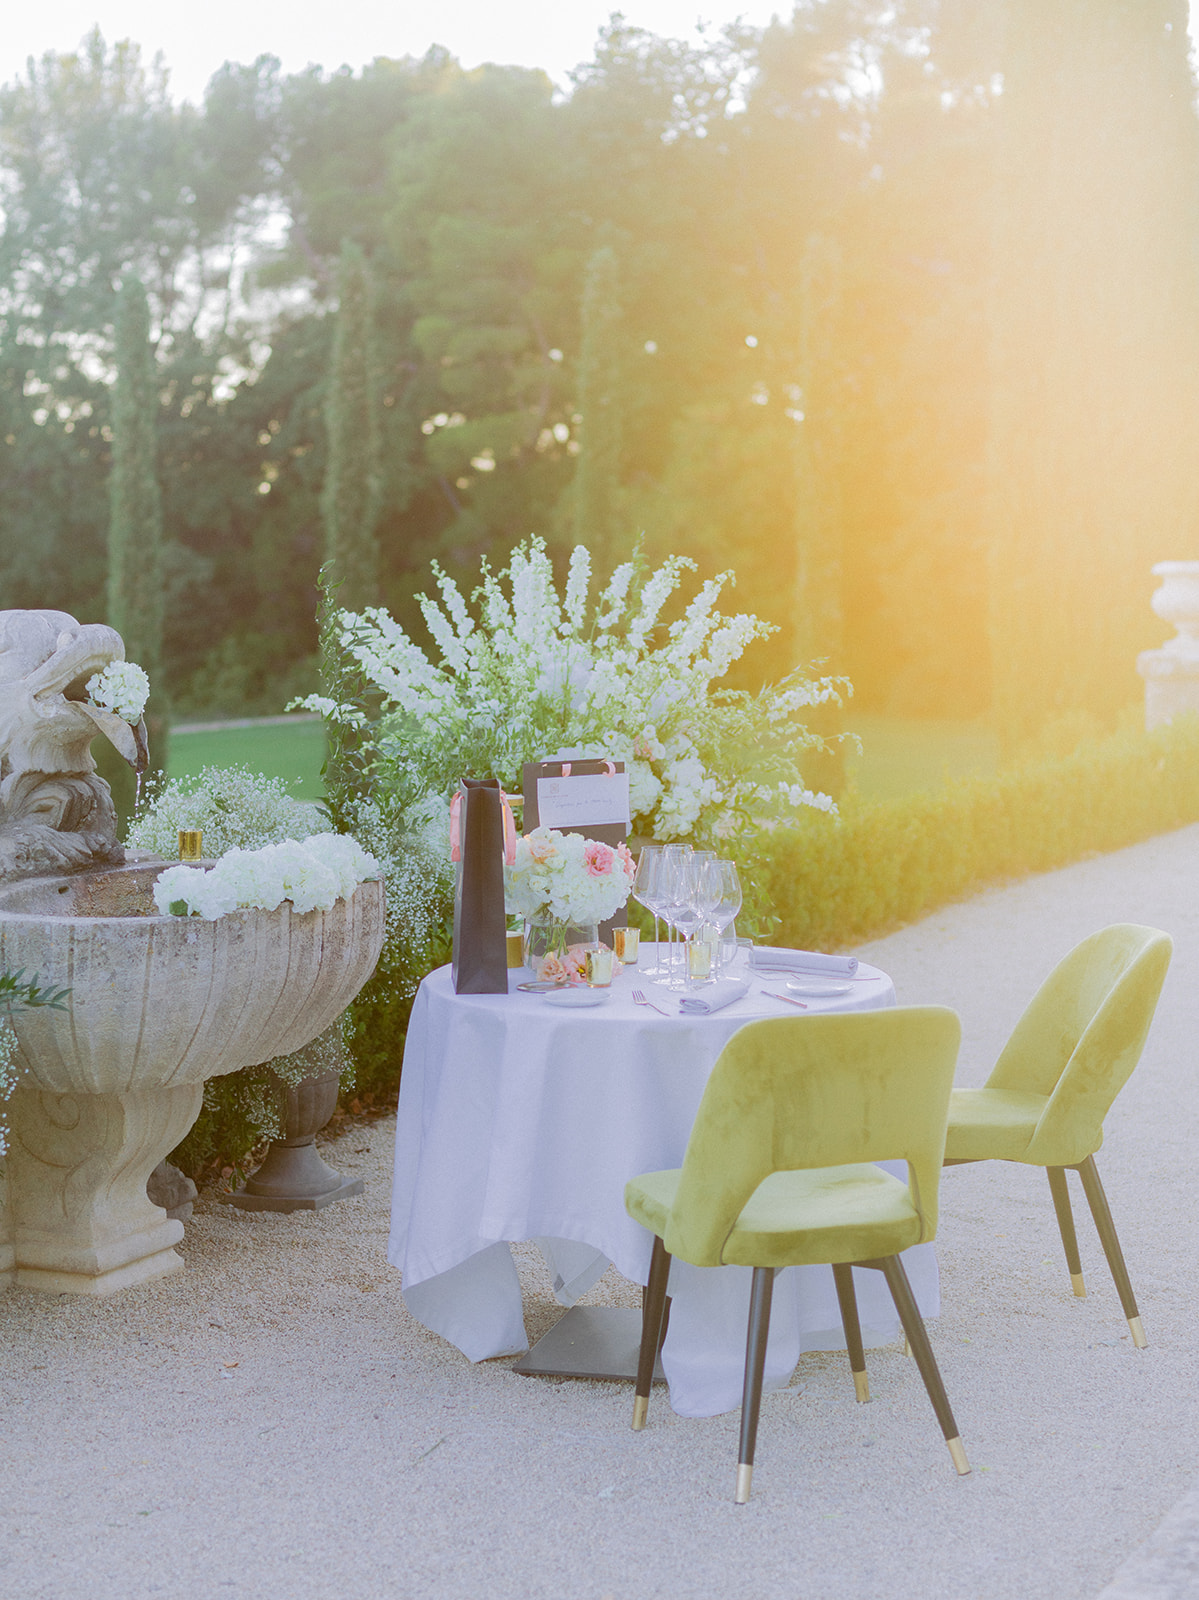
<point>273,1420</point>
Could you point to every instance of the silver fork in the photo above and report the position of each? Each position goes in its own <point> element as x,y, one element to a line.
<point>640,999</point>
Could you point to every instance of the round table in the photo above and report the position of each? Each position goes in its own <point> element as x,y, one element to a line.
<point>522,1120</point>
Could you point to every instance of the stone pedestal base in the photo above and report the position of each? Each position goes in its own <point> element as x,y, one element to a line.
<point>1171,684</point>
<point>80,1220</point>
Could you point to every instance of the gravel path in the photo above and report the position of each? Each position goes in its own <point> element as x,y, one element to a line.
<point>274,1420</point>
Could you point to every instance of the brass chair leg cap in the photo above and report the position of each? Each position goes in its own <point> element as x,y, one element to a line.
<point>1079,1287</point>
<point>640,1411</point>
<point>745,1476</point>
<point>861,1384</point>
<point>958,1456</point>
<point>1138,1333</point>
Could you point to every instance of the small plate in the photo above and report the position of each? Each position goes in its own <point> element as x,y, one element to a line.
<point>571,998</point>
<point>817,988</point>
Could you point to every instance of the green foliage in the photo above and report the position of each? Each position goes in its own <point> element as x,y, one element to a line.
<point>887,863</point>
<point>136,596</point>
<point>353,472</point>
<point>20,994</point>
<point>597,483</point>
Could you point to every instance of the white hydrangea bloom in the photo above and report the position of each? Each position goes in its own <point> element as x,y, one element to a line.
<point>123,687</point>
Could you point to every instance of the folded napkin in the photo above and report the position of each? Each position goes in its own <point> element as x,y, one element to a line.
<point>803,961</point>
<point>713,997</point>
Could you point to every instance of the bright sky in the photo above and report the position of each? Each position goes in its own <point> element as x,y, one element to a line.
<point>197,38</point>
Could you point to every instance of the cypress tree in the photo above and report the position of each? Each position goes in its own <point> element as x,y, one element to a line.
<point>1095,421</point>
<point>353,474</point>
<point>135,567</point>
<point>597,484</point>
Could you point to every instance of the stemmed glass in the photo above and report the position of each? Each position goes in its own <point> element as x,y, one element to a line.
<point>708,893</point>
<point>682,909</point>
<point>647,886</point>
<point>729,902</point>
<point>672,856</point>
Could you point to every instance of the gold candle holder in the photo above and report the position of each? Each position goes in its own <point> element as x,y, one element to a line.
<point>600,961</point>
<point>191,844</point>
<point>627,942</point>
<point>516,947</point>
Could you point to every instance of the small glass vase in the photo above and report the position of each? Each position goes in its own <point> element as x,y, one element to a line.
<point>554,949</point>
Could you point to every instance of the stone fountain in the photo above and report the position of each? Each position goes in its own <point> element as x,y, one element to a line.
<point>110,1085</point>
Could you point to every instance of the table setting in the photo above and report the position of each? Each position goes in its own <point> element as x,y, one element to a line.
<point>523,1113</point>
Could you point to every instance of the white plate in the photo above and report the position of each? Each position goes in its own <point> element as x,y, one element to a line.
<point>571,998</point>
<point>817,988</point>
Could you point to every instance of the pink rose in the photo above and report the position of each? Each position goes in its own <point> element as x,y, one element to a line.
<point>554,969</point>
<point>599,858</point>
<point>541,850</point>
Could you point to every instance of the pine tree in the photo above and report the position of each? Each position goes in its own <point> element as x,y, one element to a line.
<point>597,485</point>
<point>135,567</point>
<point>353,478</point>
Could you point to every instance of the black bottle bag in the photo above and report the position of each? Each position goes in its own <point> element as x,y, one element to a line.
<point>480,948</point>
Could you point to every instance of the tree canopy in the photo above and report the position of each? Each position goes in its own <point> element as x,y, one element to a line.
<point>882,306</point>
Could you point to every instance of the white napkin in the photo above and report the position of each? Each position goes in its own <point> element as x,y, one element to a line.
<point>803,961</point>
<point>713,997</point>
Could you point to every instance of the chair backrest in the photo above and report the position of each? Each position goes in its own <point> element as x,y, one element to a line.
<point>1082,1035</point>
<point>790,1093</point>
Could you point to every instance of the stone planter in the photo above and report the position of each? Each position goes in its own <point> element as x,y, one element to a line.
<point>110,1085</point>
<point>1171,674</point>
<point>293,1177</point>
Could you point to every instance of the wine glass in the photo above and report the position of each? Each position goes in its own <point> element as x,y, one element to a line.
<point>672,856</point>
<point>708,893</point>
<point>647,892</point>
<point>729,902</point>
<point>682,909</point>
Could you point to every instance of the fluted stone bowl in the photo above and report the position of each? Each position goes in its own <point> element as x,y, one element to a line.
<point>111,1083</point>
<point>157,1001</point>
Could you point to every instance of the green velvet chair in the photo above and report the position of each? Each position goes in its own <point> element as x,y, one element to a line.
<point>779,1172</point>
<point>1070,1055</point>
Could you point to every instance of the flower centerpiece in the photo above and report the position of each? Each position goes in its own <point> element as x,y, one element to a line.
<point>564,885</point>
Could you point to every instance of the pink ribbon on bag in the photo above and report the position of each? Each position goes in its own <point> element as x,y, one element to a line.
<point>456,828</point>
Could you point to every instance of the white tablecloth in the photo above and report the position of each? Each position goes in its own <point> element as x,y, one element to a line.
<point>519,1120</point>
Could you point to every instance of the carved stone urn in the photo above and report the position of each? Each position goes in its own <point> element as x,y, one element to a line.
<point>111,1084</point>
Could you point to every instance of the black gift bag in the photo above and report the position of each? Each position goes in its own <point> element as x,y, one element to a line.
<point>482,837</point>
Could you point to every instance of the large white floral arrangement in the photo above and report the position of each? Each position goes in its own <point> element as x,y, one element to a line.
<point>568,877</point>
<point>535,672</point>
<point>313,874</point>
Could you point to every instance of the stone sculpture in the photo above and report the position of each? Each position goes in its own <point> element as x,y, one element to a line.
<point>109,1085</point>
<point>56,812</point>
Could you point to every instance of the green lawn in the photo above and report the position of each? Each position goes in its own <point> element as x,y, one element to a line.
<point>898,757</point>
<point>292,751</point>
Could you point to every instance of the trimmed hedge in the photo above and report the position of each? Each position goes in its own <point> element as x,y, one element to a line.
<point>887,863</point>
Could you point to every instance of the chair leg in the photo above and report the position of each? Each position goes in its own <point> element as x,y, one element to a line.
<point>1065,1223</point>
<point>913,1324</point>
<point>755,1365</point>
<point>653,1309</point>
<point>1097,1200</point>
<point>843,1278</point>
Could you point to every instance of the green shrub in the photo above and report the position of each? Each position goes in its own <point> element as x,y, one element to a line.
<point>887,863</point>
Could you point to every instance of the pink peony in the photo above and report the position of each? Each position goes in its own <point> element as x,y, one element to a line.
<point>599,859</point>
<point>554,969</point>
